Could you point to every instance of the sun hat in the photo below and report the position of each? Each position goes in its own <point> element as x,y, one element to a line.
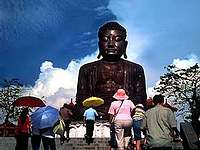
<point>120,95</point>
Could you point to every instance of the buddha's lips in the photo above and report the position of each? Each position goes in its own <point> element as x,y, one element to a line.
<point>111,51</point>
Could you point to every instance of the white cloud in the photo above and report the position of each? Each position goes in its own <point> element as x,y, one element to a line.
<point>191,60</point>
<point>57,85</point>
<point>186,63</point>
<point>151,92</point>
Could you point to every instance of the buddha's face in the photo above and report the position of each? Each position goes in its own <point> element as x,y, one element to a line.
<point>112,44</point>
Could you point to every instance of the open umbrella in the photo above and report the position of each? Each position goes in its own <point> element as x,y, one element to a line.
<point>93,101</point>
<point>29,101</point>
<point>44,117</point>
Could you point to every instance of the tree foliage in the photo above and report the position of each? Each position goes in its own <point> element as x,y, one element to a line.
<point>9,92</point>
<point>182,86</point>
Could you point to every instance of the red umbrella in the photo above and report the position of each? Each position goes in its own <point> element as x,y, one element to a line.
<point>29,101</point>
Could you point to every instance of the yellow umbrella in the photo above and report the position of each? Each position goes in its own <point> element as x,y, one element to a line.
<point>93,101</point>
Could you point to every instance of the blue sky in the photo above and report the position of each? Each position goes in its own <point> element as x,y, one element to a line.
<point>44,42</point>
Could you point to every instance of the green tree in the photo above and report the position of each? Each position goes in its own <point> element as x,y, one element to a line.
<point>182,86</point>
<point>9,92</point>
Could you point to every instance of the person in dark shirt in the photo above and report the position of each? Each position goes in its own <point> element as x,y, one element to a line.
<point>65,114</point>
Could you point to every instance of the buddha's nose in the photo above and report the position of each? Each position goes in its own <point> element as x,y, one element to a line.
<point>111,44</point>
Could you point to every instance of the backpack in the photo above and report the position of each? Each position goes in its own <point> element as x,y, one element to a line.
<point>59,127</point>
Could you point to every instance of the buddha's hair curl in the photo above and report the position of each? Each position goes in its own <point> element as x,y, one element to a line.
<point>112,26</point>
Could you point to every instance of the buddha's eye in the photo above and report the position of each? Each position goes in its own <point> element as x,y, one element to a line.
<point>104,38</point>
<point>118,38</point>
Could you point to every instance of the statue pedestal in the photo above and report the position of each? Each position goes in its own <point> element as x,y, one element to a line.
<point>101,130</point>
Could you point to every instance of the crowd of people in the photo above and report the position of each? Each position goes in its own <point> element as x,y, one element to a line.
<point>157,124</point>
<point>121,84</point>
<point>25,129</point>
<point>128,122</point>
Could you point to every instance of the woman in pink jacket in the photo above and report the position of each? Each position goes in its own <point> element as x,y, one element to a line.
<point>120,112</point>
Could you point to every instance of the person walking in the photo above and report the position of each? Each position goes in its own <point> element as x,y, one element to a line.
<point>35,137</point>
<point>159,126</point>
<point>22,130</point>
<point>65,114</point>
<point>120,112</point>
<point>90,115</point>
<point>48,138</point>
<point>137,122</point>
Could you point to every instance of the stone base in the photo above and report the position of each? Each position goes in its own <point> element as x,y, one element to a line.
<point>101,130</point>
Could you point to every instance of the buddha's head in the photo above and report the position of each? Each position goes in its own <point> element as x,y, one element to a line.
<point>112,41</point>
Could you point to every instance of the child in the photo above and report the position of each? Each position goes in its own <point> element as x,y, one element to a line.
<point>137,121</point>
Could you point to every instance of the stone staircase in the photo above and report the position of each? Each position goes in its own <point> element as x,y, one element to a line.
<point>8,143</point>
<point>77,142</point>
<point>80,144</point>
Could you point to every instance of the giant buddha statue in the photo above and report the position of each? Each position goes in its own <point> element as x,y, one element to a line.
<point>103,77</point>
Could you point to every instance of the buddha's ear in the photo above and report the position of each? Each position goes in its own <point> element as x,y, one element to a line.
<point>125,56</point>
<point>99,55</point>
<point>125,46</point>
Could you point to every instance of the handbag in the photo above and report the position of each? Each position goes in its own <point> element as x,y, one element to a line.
<point>59,127</point>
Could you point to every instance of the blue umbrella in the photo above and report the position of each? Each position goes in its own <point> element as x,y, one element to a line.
<point>44,117</point>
